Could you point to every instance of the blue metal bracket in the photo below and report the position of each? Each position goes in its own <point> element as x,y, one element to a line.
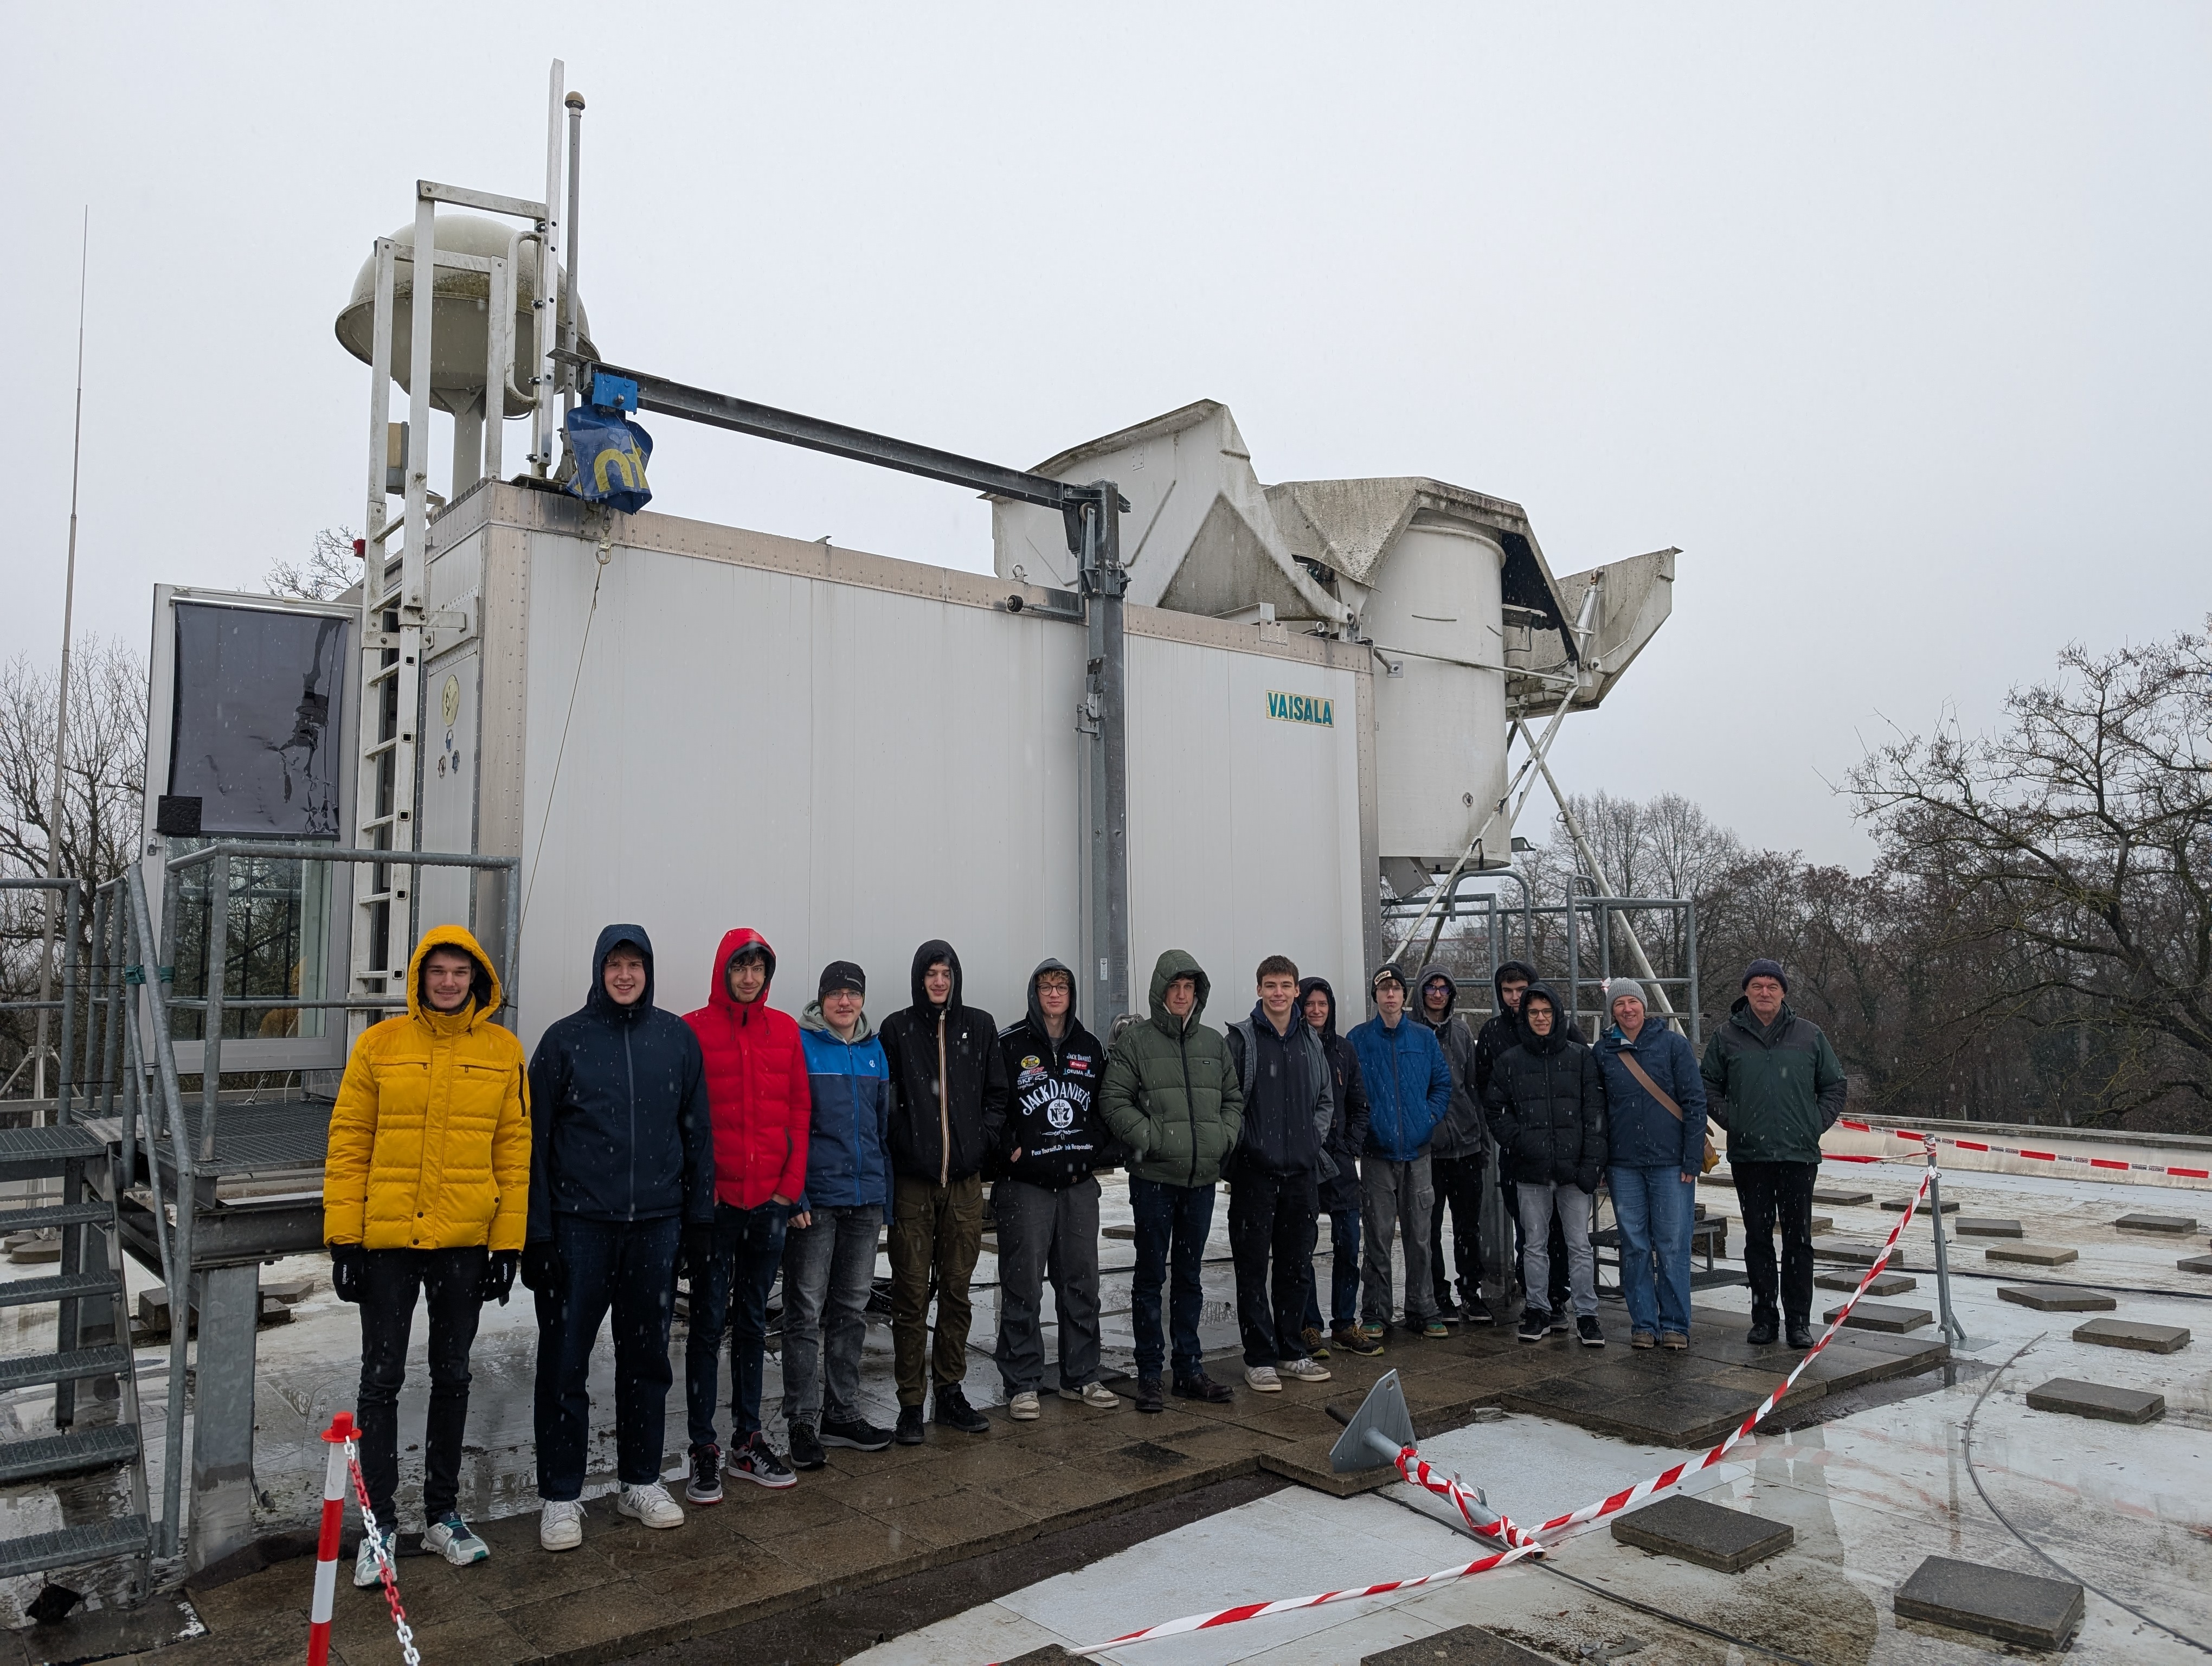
<point>617,392</point>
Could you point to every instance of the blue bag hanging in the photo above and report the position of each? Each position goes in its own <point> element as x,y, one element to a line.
<point>610,453</point>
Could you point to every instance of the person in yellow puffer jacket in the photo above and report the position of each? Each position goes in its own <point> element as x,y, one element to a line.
<point>426,1188</point>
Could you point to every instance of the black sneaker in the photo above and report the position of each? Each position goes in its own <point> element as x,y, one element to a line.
<point>954,1411</point>
<point>910,1432</point>
<point>1559,1326</point>
<point>856,1432</point>
<point>1202,1387</point>
<point>1761,1334</point>
<point>1447,1310</point>
<point>705,1486</point>
<point>1799,1334</point>
<point>1477,1313</point>
<point>1149,1398</point>
<point>1586,1329</point>
<point>805,1448</point>
<point>757,1461</point>
<point>1534,1321</point>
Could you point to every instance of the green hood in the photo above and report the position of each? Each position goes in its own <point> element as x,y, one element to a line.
<point>1172,965</point>
<point>811,1018</point>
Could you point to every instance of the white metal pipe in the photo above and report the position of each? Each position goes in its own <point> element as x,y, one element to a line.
<point>418,404</point>
<point>499,330</point>
<point>549,281</point>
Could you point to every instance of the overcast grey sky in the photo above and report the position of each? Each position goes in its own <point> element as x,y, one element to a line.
<point>1893,317</point>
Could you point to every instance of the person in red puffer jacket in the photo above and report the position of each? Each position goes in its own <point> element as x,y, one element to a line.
<point>757,1093</point>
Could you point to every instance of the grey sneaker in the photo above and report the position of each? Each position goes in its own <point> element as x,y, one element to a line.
<point>1097,1395</point>
<point>1261,1379</point>
<point>454,1540</point>
<point>1302,1371</point>
<point>651,1504</point>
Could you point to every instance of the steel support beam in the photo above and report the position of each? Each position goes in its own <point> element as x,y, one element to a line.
<point>1105,710</point>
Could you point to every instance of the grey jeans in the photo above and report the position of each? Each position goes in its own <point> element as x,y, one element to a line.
<point>828,1267</point>
<point>1573,1204</point>
<point>1042,1233</point>
<point>1395,1197</point>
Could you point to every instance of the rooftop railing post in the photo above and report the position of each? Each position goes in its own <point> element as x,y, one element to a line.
<point>1690,946</point>
<point>214,982</point>
<point>72,968</point>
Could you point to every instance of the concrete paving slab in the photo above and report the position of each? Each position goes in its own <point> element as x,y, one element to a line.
<point>1987,1226</point>
<point>1896,1206</point>
<point>2177,1225</point>
<point>1840,1197</point>
<point>1992,1602</point>
<point>2097,1400</point>
<point>2033,1254</point>
<point>1728,1540</point>
<point>1885,1282</point>
<point>2194,1264</point>
<point>1882,1316</point>
<point>1852,1253</point>
<point>1051,1655</point>
<point>2127,1334</point>
<point>2053,1298</point>
<point>1462,1645</point>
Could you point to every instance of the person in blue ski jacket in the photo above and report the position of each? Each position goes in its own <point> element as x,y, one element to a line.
<point>1653,1156</point>
<point>830,1249</point>
<point>1409,1092</point>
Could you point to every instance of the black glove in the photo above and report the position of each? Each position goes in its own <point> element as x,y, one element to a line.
<point>541,1266</point>
<point>498,1275</point>
<point>694,1255</point>
<point>1586,1180</point>
<point>349,1262</point>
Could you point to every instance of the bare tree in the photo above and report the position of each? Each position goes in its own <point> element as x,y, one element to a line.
<point>330,569</point>
<point>2070,855</point>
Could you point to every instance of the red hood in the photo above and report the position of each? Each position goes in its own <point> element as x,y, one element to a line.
<point>718,999</point>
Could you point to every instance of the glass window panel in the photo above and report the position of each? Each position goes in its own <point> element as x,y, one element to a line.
<point>256,729</point>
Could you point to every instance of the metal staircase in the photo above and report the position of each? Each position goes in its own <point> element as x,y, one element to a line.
<point>92,1324</point>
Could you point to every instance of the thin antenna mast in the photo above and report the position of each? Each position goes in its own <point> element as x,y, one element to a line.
<point>61,705</point>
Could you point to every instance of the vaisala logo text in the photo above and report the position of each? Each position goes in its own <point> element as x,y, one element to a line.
<point>1301,708</point>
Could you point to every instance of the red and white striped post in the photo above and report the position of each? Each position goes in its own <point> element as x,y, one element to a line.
<point>340,1435</point>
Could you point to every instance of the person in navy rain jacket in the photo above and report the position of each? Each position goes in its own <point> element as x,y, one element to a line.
<point>1653,1159</point>
<point>830,1252</point>
<point>1409,1090</point>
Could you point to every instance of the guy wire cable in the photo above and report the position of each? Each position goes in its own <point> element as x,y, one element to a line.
<point>1966,1445</point>
<point>606,553</point>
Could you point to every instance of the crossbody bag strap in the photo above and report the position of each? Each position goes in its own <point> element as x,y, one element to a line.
<point>1628,1063</point>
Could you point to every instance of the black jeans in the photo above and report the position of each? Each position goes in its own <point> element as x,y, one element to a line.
<point>1555,1247</point>
<point>1458,1181</point>
<point>1172,1223</point>
<point>390,1282</point>
<point>748,1251</point>
<point>629,1266</point>
<point>1272,1215</point>
<point>1778,1194</point>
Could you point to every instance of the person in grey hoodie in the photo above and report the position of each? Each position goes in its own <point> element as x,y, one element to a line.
<point>1457,1154</point>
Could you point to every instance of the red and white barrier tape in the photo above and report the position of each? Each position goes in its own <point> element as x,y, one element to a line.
<point>2105,1162</point>
<point>1520,1542</point>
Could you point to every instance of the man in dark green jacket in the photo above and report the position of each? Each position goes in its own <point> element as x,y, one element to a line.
<point>1774,1084</point>
<point>1171,1096</point>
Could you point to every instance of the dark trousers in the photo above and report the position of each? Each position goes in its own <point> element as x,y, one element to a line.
<point>1343,1269</point>
<point>748,1250</point>
<point>1555,1250</point>
<point>1458,1182</point>
<point>1047,1234</point>
<point>447,1279</point>
<point>1172,1224</point>
<point>1778,1194</point>
<point>629,1267</point>
<point>936,1232</point>
<point>1272,1215</point>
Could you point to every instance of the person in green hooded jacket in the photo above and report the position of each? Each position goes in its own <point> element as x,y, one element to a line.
<point>1171,1096</point>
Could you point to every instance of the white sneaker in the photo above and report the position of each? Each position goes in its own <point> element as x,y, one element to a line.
<point>1261,1379</point>
<point>1303,1370</point>
<point>1097,1395</point>
<point>561,1526</point>
<point>456,1541</point>
<point>366,1575</point>
<point>1024,1408</point>
<point>651,1504</point>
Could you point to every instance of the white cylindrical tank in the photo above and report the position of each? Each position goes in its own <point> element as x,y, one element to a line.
<point>459,326</point>
<point>1438,615</point>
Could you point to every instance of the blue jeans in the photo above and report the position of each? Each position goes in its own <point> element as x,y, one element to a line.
<point>1172,1222</point>
<point>629,1266</point>
<point>748,1250</point>
<point>1343,1270</point>
<point>1654,1208</point>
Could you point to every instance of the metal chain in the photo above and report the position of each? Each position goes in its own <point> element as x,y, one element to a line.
<point>383,1549</point>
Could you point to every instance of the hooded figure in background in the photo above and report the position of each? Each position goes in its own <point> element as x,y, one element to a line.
<point>948,1083</point>
<point>1339,1193</point>
<point>426,1188</point>
<point>1456,1153</point>
<point>621,1161</point>
<point>757,1093</point>
<point>1046,1202</point>
<point>1173,1098</point>
<point>1501,1031</point>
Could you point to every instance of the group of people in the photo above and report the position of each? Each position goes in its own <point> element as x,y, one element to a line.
<point>735,1145</point>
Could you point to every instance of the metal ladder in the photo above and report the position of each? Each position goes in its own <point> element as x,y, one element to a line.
<point>91,1273</point>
